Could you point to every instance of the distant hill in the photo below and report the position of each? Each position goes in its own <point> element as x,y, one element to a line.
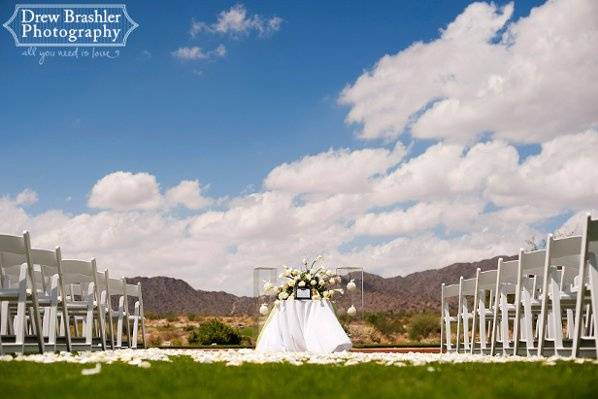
<point>414,292</point>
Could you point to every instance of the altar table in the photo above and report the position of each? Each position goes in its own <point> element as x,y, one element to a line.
<point>303,326</point>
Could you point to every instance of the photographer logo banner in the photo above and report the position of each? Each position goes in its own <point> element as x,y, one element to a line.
<point>70,25</point>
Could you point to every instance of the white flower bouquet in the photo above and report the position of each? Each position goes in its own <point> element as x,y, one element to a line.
<point>318,279</point>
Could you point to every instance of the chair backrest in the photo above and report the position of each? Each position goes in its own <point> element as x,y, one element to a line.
<point>13,244</point>
<point>565,253</point>
<point>116,286</point>
<point>10,267</point>
<point>487,280</point>
<point>134,290</point>
<point>101,279</point>
<point>14,250</point>
<point>450,290</point>
<point>532,263</point>
<point>48,266</point>
<point>592,241</point>
<point>78,267</point>
<point>509,271</point>
<point>590,245</point>
<point>8,259</point>
<point>468,286</point>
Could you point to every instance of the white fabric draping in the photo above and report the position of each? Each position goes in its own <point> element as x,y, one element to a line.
<point>303,326</point>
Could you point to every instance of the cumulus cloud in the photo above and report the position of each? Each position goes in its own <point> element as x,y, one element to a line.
<point>196,53</point>
<point>124,191</point>
<point>439,214</point>
<point>523,81</point>
<point>26,197</point>
<point>236,22</point>
<point>188,194</point>
<point>335,171</point>
<point>420,217</point>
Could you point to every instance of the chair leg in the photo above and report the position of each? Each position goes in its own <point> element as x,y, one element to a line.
<point>593,274</point>
<point>4,318</point>
<point>504,322</point>
<point>570,323</point>
<point>447,327</point>
<point>482,316</point>
<point>557,324</point>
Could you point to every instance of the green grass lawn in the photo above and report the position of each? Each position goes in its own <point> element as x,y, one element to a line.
<point>183,378</point>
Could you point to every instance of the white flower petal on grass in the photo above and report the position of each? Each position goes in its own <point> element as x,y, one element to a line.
<point>237,357</point>
<point>96,370</point>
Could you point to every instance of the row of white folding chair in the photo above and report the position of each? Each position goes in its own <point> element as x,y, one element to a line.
<point>124,291</point>
<point>49,277</point>
<point>542,285</point>
<point>74,272</point>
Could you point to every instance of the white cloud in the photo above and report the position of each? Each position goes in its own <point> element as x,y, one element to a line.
<point>420,217</point>
<point>439,214</point>
<point>565,172</point>
<point>126,191</point>
<point>236,22</point>
<point>188,194</point>
<point>196,53</point>
<point>529,83</point>
<point>189,53</point>
<point>335,171</point>
<point>26,197</point>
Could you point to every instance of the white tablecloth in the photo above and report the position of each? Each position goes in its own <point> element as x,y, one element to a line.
<point>300,326</point>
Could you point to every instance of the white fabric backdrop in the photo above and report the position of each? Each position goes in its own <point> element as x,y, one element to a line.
<point>299,326</point>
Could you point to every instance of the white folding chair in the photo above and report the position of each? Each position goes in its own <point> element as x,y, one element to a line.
<point>447,292</point>
<point>84,301</point>
<point>587,294</point>
<point>562,260</point>
<point>134,291</point>
<point>55,315</point>
<point>530,274</point>
<point>20,295</point>
<point>504,311</point>
<point>467,292</point>
<point>486,285</point>
<point>116,288</point>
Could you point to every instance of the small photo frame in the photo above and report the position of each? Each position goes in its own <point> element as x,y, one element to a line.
<point>303,293</point>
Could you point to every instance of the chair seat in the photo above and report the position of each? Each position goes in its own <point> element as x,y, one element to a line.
<point>77,305</point>
<point>9,293</point>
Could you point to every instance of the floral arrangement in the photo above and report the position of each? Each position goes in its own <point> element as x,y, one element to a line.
<point>318,278</point>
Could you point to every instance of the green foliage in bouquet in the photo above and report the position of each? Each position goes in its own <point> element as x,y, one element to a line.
<point>317,278</point>
<point>214,332</point>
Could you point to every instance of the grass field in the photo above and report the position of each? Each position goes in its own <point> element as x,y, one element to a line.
<point>183,378</point>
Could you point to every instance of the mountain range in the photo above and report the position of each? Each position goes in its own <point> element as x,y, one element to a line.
<point>414,292</point>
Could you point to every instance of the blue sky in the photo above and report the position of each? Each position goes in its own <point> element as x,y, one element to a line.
<point>270,100</point>
<point>395,135</point>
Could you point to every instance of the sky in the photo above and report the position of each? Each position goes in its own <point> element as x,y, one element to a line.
<point>396,136</point>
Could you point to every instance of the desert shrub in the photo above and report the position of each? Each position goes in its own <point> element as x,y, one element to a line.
<point>151,315</point>
<point>214,332</point>
<point>165,327</point>
<point>176,341</point>
<point>191,316</point>
<point>387,323</point>
<point>171,317</point>
<point>423,325</point>
<point>155,340</point>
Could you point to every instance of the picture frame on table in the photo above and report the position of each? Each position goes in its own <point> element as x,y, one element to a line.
<point>303,294</point>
